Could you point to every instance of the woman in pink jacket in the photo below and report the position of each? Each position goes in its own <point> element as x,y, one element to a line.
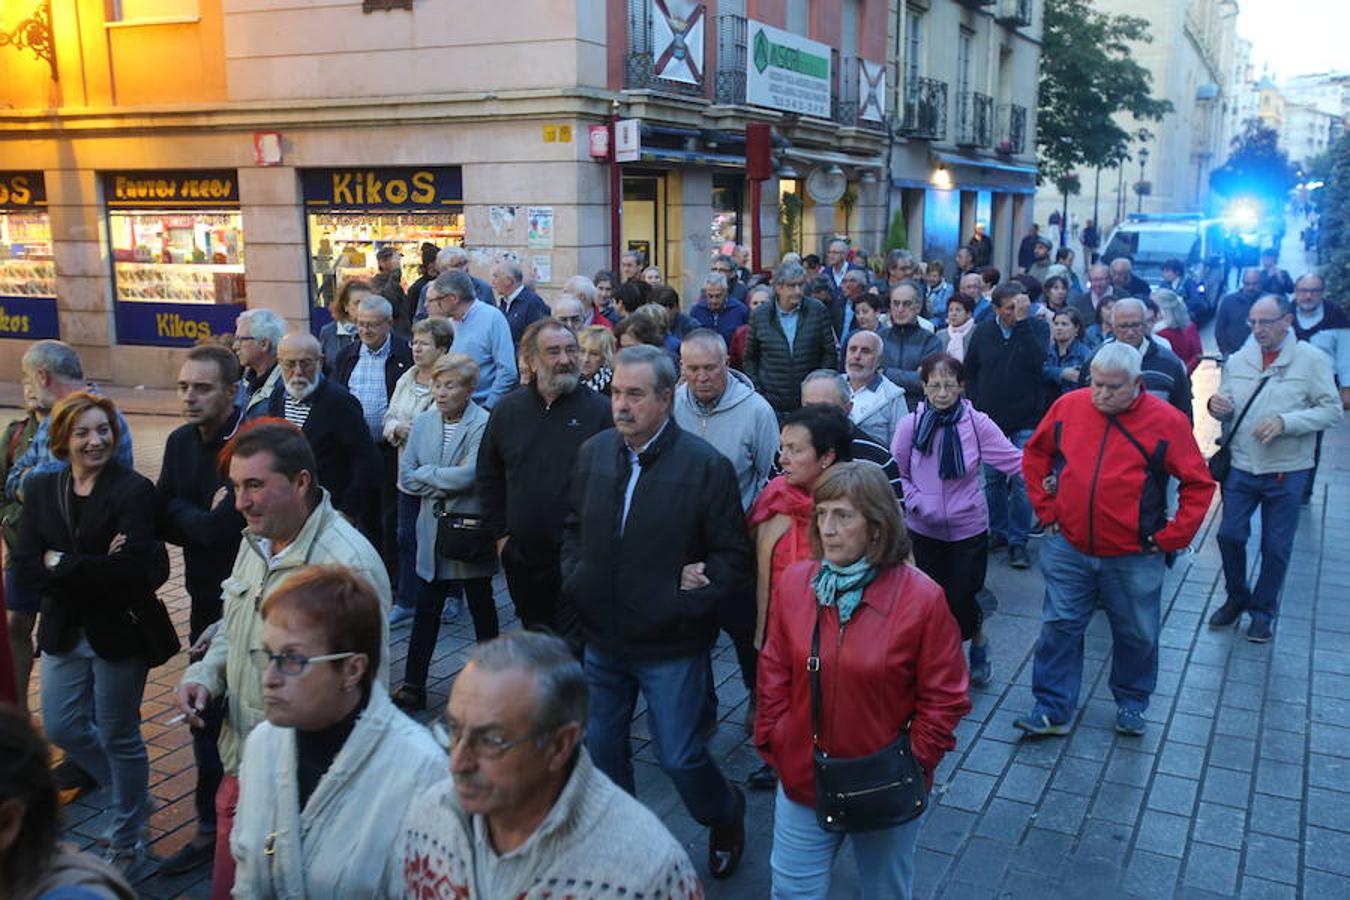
<point>940,448</point>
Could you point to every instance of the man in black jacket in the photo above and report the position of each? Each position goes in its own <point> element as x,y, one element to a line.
<point>347,462</point>
<point>1124,283</point>
<point>1163,372</point>
<point>654,549</point>
<point>1003,362</point>
<point>369,369</point>
<point>519,304</point>
<point>525,464</point>
<point>906,343</point>
<point>196,511</point>
<point>788,339</point>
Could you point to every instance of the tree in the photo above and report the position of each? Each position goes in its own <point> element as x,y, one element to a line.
<point>897,238</point>
<point>1256,165</point>
<point>1334,225</point>
<point>1088,76</point>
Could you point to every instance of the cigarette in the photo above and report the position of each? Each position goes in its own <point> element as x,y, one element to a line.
<point>176,719</point>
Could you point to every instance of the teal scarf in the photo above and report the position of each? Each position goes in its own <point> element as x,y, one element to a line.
<point>843,586</point>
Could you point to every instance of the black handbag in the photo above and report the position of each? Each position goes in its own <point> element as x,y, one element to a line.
<point>1222,460</point>
<point>880,790</point>
<point>463,537</point>
<point>159,639</point>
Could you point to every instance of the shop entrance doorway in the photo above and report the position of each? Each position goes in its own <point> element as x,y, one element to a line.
<point>644,214</point>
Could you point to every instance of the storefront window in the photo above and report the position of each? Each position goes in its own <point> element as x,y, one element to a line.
<point>726,207</point>
<point>27,273</point>
<point>352,213</point>
<point>178,255</point>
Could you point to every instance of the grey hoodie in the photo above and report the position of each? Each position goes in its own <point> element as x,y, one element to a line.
<point>741,425</point>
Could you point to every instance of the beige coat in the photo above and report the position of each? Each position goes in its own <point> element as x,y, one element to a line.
<point>326,537</point>
<point>1302,393</point>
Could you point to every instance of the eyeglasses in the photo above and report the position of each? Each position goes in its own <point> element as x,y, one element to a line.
<point>1263,323</point>
<point>370,326</point>
<point>790,284</point>
<point>941,387</point>
<point>482,744</point>
<point>243,338</point>
<point>290,664</point>
<point>290,365</point>
<point>1127,326</point>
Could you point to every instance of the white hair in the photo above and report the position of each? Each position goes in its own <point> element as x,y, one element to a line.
<point>265,325</point>
<point>562,300</point>
<point>451,258</point>
<point>1117,356</point>
<point>375,303</point>
<point>582,288</point>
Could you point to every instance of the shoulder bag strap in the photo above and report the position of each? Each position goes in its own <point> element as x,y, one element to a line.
<point>813,673</point>
<point>1242,415</point>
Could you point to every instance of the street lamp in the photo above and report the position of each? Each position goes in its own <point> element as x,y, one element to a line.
<point>1143,161</point>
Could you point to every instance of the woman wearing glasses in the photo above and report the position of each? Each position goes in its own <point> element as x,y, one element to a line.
<point>325,781</point>
<point>940,449</point>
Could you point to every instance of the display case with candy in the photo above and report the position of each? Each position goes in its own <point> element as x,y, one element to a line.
<point>26,267</point>
<point>178,257</point>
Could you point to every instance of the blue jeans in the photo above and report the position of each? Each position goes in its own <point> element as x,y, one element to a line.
<point>803,855</point>
<point>676,691</point>
<point>1278,497</point>
<point>1129,589</point>
<point>1009,509</point>
<point>111,750</point>
<point>407,586</point>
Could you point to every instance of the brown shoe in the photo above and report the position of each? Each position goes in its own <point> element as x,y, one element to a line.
<point>726,843</point>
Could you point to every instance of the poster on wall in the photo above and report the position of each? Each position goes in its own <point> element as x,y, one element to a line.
<point>177,242</point>
<point>788,72</point>
<point>540,233</point>
<point>27,270</point>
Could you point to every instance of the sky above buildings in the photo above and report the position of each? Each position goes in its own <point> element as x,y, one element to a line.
<point>1296,37</point>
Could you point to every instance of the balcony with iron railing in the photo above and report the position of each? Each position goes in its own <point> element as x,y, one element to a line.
<point>645,63</point>
<point>733,49</point>
<point>1012,129</point>
<point>1013,13</point>
<point>924,110</point>
<point>974,119</point>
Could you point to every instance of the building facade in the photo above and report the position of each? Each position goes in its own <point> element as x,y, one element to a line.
<point>1190,57</point>
<point>169,163</point>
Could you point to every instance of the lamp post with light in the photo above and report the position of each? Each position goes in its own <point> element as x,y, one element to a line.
<point>1143,161</point>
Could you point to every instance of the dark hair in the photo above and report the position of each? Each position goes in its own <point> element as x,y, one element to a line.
<point>963,300</point>
<point>341,604</point>
<point>642,328</point>
<point>26,776</point>
<point>386,251</point>
<point>1031,283</point>
<point>1174,265</point>
<point>811,261</point>
<point>873,300</point>
<point>71,407</point>
<point>604,275</point>
<point>290,451</point>
<point>1054,279</point>
<point>227,364</point>
<point>828,426</point>
<point>820,283</point>
<point>429,253</point>
<point>1074,316</point>
<point>935,267</point>
<point>990,275</point>
<point>632,294</point>
<point>941,361</point>
<point>1063,253</point>
<point>344,295</point>
<point>1007,292</point>
<point>666,296</point>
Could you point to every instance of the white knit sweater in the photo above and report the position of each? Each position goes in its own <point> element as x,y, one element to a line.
<point>597,843</point>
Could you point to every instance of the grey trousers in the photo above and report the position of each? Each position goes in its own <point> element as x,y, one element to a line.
<point>112,750</point>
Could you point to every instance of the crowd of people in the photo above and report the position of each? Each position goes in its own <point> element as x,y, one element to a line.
<point>783,457</point>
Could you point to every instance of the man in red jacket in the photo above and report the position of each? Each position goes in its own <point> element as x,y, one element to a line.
<point>1110,450</point>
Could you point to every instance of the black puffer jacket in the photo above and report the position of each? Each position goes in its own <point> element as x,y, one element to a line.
<point>686,508</point>
<point>776,370</point>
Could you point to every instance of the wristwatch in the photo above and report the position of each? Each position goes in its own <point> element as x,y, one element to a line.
<point>56,559</point>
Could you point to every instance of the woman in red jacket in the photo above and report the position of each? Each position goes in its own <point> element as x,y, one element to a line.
<point>891,659</point>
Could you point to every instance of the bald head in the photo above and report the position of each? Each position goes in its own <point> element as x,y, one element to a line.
<point>300,342</point>
<point>862,358</point>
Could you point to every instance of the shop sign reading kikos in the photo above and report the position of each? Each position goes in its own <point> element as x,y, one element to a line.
<point>788,72</point>
<point>383,188</point>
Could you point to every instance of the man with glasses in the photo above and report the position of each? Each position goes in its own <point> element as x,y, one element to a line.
<point>906,342</point>
<point>570,311</point>
<point>788,339</point>
<point>1164,373</point>
<point>525,805</point>
<point>335,426</point>
<point>726,267</point>
<point>1326,326</point>
<point>1272,455</point>
<point>718,308</point>
<point>290,523</point>
<point>257,335</point>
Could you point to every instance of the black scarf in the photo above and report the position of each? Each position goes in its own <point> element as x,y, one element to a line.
<point>952,462</point>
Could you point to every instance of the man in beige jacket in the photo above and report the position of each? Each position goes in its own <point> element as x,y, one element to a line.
<point>1272,454</point>
<point>290,524</point>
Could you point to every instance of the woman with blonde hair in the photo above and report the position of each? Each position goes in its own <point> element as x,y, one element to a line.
<point>597,357</point>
